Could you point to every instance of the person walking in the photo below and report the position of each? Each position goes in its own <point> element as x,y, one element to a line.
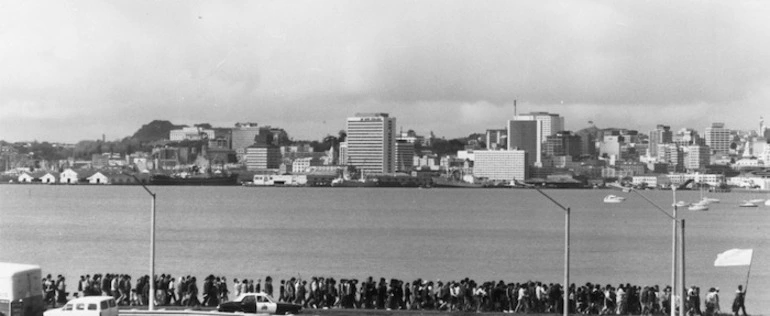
<point>712,302</point>
<point>61,291</point>
<point>738,302</point>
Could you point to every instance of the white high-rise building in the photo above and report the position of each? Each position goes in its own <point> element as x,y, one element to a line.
<point>371,142</point>
<point>718,138</point>
<point>698,157</point>
<point>500,164</point>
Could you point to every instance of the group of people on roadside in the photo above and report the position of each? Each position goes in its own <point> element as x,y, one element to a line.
<point>463,295</point>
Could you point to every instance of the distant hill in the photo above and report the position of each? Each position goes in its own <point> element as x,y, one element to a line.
<point>155,130</point>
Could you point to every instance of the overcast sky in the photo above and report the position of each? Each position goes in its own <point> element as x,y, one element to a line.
<point>73,70</point>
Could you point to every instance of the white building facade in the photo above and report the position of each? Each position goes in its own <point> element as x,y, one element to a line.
<point>504,165</point>
<point>371,142</point>
<point>68,176</point>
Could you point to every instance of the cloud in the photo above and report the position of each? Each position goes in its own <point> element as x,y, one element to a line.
<point>302,63</point>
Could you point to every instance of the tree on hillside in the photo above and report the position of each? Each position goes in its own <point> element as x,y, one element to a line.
<point>155,130</point>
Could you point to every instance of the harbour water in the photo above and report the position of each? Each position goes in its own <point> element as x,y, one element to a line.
<point>448,234</point>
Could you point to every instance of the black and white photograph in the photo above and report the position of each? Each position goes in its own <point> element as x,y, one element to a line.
<point>384,157</point>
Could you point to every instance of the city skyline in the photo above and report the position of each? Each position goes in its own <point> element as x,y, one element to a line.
<point>75,70</point>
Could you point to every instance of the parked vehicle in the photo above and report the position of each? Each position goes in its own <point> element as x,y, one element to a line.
<point>20,290</point>
<point>258,303</point>
<point>87,306</point>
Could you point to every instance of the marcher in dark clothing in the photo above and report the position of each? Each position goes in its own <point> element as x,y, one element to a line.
<point>740,295</point>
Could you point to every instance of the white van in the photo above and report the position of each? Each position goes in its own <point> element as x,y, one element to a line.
<point>87,306</point>
<point>21,291</point>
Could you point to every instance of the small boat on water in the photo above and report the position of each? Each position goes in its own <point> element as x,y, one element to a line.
<point>747,204</point>
<point>698,207</point>
<point>613,199</point>
<point>757,201</point>
<point>682,204</point>
<point>767,203</point>
<point>710,200</point>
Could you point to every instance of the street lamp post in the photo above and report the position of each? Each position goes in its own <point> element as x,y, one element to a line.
<point>566,245</point>
<point>151,306</point>
<point>673,245</point>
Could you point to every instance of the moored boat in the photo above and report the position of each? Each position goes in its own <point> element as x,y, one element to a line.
<point>710,200</point>
<point>682,204</point>
<point>613,199</point>
<point>698,207</point>
<point>757,201</point>
<point>747,204</point>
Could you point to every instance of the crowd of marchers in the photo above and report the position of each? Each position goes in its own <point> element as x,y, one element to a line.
<point>461,295</point>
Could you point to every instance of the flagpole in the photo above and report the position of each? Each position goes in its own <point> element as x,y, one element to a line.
<point>746,289</point>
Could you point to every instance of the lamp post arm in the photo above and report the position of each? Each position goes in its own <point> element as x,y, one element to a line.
<point>653,204</point>
<point>550,198</point>
<point>142,184</point>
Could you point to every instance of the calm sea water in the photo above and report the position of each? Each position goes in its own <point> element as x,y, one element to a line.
<point>448,234</point>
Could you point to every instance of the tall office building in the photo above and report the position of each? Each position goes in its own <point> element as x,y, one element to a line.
<point>671,154</point>
<point>551,122</point>
<point>718,138</point>
<point>660,135</point>
<point>525,135</point>
<point>698,157</point>
<point>564,143</point>
<point>404,155</point>
<point>371,142</point>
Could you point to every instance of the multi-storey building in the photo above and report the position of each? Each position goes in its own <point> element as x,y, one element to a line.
<point>551,122</point>
<point>260,157</point>
<point>191,133</point>
<point>633,168</point>
<point>404,155</point>
<point>411,137</point>
<point>497,139</point>
<point>587,142</point>
<point>563,143</point>
<point>302,164</point>
<point>698,157</point>
<point>660,135</point>
<point>686,137</point>
<point>718,138</point>
<point>525,135</point>
<point>504,165</point>
<point>672,155</point>
<point>343,153</point>
<point>371,141</point>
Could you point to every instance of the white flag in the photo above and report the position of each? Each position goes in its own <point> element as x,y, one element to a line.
<point>734,257</point>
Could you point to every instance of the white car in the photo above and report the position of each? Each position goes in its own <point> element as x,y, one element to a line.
<point>258,303</point>
<point>87,306</point>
